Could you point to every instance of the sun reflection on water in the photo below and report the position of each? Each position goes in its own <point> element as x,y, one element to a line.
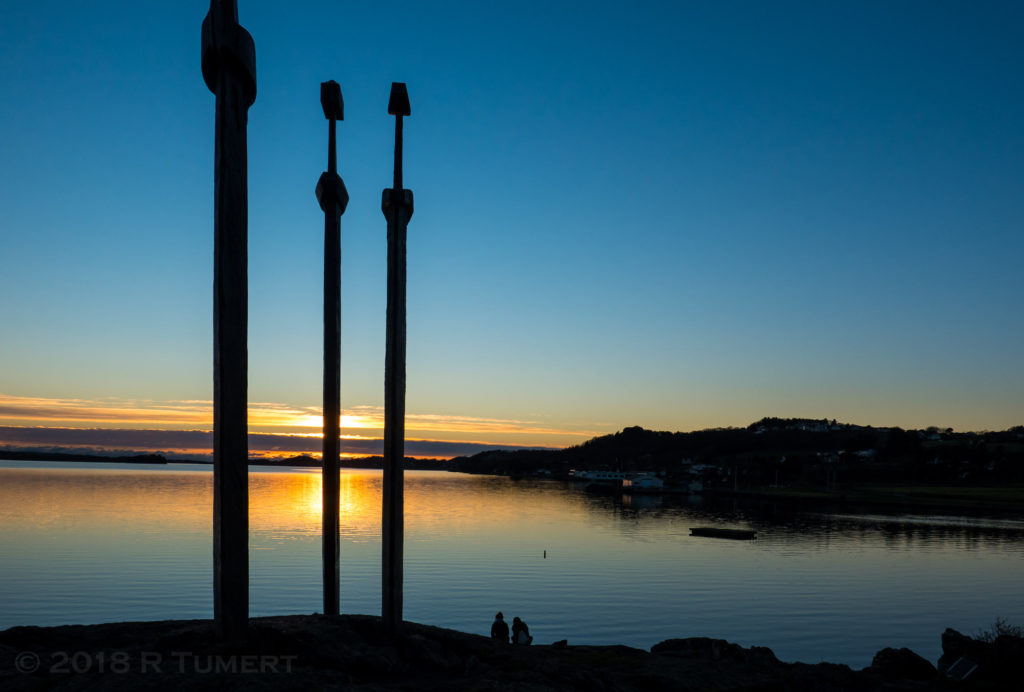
<point>292,502</point>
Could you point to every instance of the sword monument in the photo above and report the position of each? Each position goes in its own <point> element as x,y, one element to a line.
<point>333,198</point>
<point>396,204</point>
<point>229,70</point>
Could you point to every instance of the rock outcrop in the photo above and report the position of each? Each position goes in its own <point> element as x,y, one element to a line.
<point>901,664</point>
<point>998,661</point>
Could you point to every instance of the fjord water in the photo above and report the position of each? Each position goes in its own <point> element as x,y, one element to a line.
<point>87,543</point>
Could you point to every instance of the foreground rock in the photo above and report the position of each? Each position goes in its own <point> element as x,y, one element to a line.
<point>994,664</point>
<point>901,664</point>
<point>313,652</point>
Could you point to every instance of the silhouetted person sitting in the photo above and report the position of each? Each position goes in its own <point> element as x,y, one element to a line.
<point>499,629</point>
<point>520,632</point>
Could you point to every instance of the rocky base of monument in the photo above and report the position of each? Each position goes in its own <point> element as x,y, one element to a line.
<point>351,652</point>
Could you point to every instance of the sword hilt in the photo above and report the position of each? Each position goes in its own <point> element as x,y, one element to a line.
<point>334,110</point>
<point>398,106</point>
<point>330,190</point>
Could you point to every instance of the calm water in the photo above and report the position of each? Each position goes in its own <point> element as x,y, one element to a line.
<point>84,543</point>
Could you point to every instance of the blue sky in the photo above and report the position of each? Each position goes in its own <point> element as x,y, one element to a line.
<point>677,215</point>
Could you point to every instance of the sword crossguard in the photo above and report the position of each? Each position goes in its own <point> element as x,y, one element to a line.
<point>227,46</point>
<point>397,199</point>
<point>331,193</point>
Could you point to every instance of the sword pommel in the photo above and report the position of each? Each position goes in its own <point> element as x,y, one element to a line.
<point>398,104</point>
<point>331,100</point>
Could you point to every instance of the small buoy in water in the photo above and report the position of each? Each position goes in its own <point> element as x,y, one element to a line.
<point>545,555</point>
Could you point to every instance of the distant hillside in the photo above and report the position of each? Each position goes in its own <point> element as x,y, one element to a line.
<point>63,456</point>
<point>782,451</point>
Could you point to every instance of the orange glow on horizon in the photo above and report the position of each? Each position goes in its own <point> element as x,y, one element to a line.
<point>346,421</point>
<point>198,415</point>
<point>264,418</point>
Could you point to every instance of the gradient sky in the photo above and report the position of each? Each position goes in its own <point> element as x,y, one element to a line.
<point>675,215</point>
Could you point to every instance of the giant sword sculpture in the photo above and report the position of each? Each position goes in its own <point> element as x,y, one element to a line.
<point>333,198</point>
<point>396,204</point>
<point>229,69</point>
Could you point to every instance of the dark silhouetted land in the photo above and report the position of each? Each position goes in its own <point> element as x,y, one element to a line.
<point>315,652</point>
<point>799,460</point>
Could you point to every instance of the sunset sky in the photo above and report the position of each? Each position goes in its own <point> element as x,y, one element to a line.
<point>677,215</point>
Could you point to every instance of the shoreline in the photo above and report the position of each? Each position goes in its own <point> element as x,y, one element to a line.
<point>335,652</point>
<point>1003,499</point>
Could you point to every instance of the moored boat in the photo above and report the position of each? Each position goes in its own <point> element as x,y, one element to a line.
<point>715,532</point>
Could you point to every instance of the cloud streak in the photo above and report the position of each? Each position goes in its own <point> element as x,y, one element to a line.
<point>46,410</point>
<point>264,417</point>
<point>138,412</point>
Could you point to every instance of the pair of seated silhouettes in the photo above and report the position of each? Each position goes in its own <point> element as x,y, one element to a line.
<point>520,632</point>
